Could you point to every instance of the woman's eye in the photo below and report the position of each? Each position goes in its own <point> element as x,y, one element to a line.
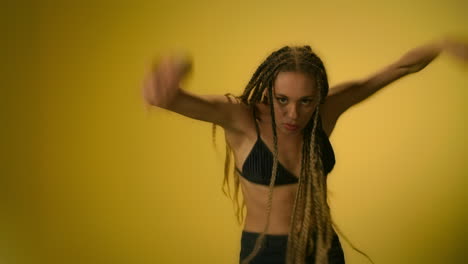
<point>306,101</point>
<point>282,100</point>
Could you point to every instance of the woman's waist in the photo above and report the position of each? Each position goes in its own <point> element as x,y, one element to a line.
<point>279,225</point>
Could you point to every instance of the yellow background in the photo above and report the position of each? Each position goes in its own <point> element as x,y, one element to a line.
<point>89,176</point>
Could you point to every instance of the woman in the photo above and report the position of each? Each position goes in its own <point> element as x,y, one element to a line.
<point>278,132</point>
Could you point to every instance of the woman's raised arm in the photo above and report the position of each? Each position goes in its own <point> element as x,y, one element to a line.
<point>342,96</point>
<point>161,88</point>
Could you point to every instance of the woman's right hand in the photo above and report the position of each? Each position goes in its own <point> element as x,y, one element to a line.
<point>161,84</point>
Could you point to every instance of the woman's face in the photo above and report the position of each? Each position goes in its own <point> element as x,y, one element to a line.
<point>295,99</point>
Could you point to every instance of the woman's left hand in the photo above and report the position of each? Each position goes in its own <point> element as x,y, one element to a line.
<point>456,48</point>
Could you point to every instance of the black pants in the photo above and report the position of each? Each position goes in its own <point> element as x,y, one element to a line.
<point>274,249</point>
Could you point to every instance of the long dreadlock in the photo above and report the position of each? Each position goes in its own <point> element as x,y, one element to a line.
<point>311,223</point>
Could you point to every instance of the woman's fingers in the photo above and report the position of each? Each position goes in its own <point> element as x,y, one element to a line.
<point>457,48</point>
<point>164,78</point>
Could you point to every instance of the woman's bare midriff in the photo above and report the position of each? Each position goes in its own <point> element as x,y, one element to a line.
<point>256,196</point>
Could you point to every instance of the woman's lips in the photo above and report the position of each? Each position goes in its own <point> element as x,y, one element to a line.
<point>291,127</point>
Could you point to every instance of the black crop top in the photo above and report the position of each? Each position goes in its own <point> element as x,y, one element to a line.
<point>258,164</point>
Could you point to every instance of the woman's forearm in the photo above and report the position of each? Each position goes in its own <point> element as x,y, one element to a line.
<point>418,58</point>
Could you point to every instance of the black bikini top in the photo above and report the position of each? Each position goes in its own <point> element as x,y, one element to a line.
<point>258,164</point>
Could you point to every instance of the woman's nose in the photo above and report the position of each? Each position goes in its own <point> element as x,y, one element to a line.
<point>292,112</point>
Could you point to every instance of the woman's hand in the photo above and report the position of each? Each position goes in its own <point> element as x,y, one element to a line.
<point>162,83</point>
<point>456,48</point>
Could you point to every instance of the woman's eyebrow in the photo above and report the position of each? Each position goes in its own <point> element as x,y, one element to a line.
<point>303,97</point>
